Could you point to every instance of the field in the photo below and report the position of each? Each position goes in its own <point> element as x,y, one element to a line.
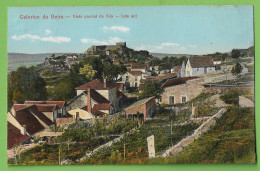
<point>231,140</point>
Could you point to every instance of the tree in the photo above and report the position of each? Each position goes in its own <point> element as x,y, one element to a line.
<point>25,84</point>
<point>224,56</point>
<point>235,53</point>
<point>87,71</point>
<point>237,69</point>
<point>151,88</point>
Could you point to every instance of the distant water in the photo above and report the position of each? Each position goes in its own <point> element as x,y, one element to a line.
<point>16,60</point>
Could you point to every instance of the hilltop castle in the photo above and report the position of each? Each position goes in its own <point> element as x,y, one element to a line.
<point>120,47</point>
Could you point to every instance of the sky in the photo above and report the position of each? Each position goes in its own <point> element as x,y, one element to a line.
<point>160,29</point>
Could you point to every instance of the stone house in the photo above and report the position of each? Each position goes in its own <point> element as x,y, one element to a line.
<point>25,120</point>
<point>145,107</point>
<point>156,68</point>
<point>61,107</point>
<point>96,98</point>
<point>161,78</point>
<point>217,61</point>
<point>198,65</point>
<point>132,78</point>
<point>133,66</point>
<point>15,136</point>
<point>181,90</point>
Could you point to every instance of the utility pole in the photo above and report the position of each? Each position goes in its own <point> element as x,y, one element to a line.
<point>124,151</point>
<point>171,133</point>
<point>59,157</point>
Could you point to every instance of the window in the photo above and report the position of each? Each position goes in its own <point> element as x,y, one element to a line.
<point>126,78</point>
<point>135,84</point>
<point>171,100</point>
<point>197,69</point>
<point>183,99</point>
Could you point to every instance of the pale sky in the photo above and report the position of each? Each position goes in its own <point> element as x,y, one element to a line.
<point>162,29</point>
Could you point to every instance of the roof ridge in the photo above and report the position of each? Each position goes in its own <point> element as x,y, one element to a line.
<point>29,105</point>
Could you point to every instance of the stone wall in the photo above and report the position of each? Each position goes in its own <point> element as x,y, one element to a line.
<point>174,150</point>
<point>78,102</point>
<point>190,90</point>
<point>64,121</point>
<point>223,89</point>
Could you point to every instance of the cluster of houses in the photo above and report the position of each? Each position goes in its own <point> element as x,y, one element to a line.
<point>138,74</point>
<point>98,98</point>
<point>62,63</point>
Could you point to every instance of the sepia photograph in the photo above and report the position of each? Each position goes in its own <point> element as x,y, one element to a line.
<point>120,85</point>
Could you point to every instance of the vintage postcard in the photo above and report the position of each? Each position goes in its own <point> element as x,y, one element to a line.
<point>131,85</point>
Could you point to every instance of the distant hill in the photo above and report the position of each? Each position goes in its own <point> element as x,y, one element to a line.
<point>22,59</point>
<point>160,55</point>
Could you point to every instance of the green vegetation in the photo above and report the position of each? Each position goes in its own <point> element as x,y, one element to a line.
<point>237,69</point>
<point>88,71</point>
<point>25,83</point>
<point>81,131</point>
<point>77,139</point>
<point>135,144</point>
<point>48,154</point>
<point>235,53</point>
<point>151,88</point>
<point>231,140</point>
<point>168,62</point>
<point>50,73</point>
<point>231,97</point>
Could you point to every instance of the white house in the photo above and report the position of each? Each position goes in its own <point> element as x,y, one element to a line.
<point>199,65</point>
<point>132,78</point>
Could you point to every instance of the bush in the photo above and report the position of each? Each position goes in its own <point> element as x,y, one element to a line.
<point>231,97</point>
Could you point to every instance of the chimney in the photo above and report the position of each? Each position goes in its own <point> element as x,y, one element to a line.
<point>23,130</point>
<point>89,100</point>
<point>105,83</point>
<point>77,116</point>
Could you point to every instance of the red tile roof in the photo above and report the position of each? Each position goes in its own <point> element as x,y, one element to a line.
<point>46,107</point>
<point>103,106</point>
<point>120,86</point>
<point>119,93</point>
<point>98,113</point>
<point>176,69</point>
<point>135,72</point>
<point>14,136</point>
<point>85,108</point>
<point>20,106</point>
<point>35,110</point>
<point>161,77</point>
<point>96,84</point>
<point>161,64</point>
<point>95,110</point>
<point>201,61</point>
<point>177,81</point>
<point>138,66</point>
<point>25,117</point>
<point>60,104</point>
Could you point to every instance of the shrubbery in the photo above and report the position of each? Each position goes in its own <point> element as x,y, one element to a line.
<point>231,97</point>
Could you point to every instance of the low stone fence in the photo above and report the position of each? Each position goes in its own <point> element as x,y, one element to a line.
<point>172,151</point>
<point>219,78</point>
<point>64,121</point>
<point>108,144</point>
